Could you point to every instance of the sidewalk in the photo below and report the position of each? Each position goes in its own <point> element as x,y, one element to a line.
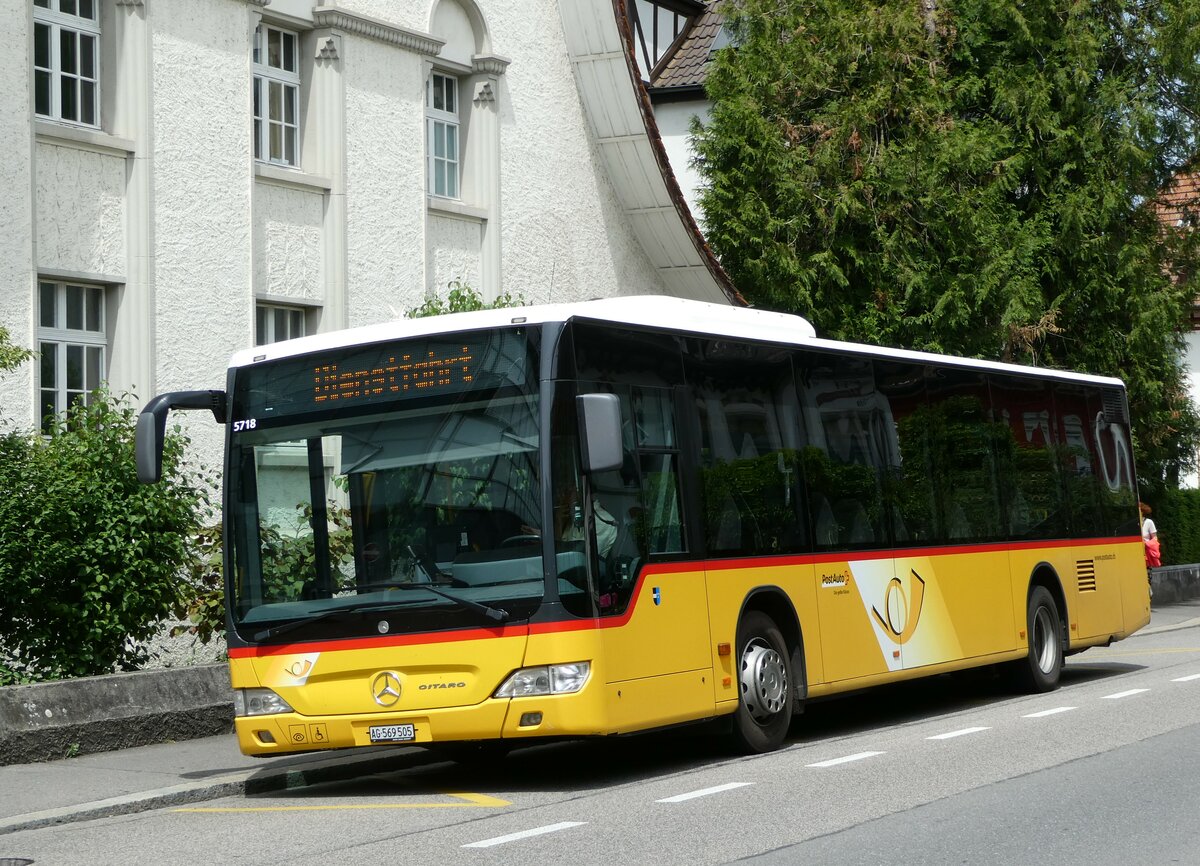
<point>168,774</point>
<point>189,771</point>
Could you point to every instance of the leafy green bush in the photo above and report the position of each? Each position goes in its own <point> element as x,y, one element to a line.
<point>90,559</point>
<point>1177,516</point>
<point>462,299</point>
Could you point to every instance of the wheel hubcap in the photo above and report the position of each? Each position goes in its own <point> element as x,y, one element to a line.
<point>1045,646</point>
<point>763,679</point>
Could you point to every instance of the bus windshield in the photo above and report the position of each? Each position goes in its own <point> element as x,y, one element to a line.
<point>426,507</point>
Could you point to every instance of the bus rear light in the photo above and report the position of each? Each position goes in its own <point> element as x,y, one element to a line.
<point>258,702</point>
<point>546,680</point>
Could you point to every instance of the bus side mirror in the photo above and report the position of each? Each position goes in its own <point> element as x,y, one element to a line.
<point>152,426</point>
<point>600,431</point>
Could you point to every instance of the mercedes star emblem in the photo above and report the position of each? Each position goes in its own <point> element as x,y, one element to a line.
<point>385,688</point>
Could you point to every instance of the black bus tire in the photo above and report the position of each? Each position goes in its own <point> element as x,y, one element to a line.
<point>1042,666</point>
<point>765,685</point>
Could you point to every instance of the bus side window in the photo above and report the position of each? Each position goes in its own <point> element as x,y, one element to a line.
<point>852,443</point>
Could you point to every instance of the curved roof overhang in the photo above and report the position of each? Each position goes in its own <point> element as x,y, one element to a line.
<point>617,105</point>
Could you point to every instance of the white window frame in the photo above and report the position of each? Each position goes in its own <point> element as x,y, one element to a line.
<point>270,319</point>
<point>68,337</point>
<point>444,134</point>
<point>62,18</point>
<point>272,79</point>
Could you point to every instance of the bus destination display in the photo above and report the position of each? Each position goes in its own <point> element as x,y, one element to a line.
<point>398,375</point>
<point>357,377</point>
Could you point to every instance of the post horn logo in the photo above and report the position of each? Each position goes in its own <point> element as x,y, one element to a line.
<point>385,689</point>
<point>902,611</point>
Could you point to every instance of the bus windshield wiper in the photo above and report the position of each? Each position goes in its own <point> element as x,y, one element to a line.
<point>493,613</point>
<point>323,614</point>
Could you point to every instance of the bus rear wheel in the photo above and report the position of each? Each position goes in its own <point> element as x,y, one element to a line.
<point>1040,670</point>
<point>765,683</point>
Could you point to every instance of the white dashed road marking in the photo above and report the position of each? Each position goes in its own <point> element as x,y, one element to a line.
<point>1186,679</point>
<point>961,733</point>
<point>525,834</point>
<point>1124,694</point>
<point>1052,712</point>
<point>703,792</point>
<point>847,759</point>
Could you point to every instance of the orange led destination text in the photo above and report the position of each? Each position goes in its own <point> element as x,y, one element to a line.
<point>398,376</point>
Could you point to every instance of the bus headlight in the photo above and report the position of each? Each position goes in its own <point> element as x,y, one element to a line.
<point>545,680</point>
<point>258,702</point>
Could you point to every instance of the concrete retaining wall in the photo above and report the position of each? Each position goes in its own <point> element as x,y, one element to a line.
<point>1172,583</point>
<point>45,721</point>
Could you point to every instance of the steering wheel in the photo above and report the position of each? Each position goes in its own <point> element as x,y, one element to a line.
<point>520,540</point>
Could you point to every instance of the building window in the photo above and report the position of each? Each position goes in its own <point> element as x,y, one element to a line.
<point>66,60</point>
<point>274,323</point>
<point>72,344</point>
<point>276,65</point>
<point>441,106</point>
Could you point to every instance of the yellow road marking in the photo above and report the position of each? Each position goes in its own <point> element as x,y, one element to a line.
<point>470,801</point>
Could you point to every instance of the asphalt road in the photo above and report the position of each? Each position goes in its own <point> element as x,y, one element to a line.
<point>1104,770</point>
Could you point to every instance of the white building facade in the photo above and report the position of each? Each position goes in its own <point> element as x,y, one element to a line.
<point>191,177</point>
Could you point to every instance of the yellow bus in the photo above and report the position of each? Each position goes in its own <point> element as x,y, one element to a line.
<point>621,515</point>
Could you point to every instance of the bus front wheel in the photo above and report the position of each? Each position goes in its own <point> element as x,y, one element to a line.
<point>1039,671</point>
<point>765,683</point>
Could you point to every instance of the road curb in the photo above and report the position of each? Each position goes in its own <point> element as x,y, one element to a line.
<point>312,771</point>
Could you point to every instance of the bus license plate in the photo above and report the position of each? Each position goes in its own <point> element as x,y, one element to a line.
<point>392,733</point>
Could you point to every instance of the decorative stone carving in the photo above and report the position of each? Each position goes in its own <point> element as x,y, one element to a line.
<point>484,93</point>
<point>360,25</point>
<point>328,48</point>
<point>489,64</point>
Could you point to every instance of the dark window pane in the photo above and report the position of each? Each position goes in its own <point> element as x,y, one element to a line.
<point>42,98</point>
<point>909,488</point>
<point>260,326</point>
<point>95,307</point>
<point>280,316</point>
<point>47,302</point>
<point>75,368</point>
<point>1077,406</point>
<point>276,142</point>
<point>41,45</point>
<point>67,59</point>
<point>48,361</point>
<point>67,6</point>
<point>95,367</point>
<point>69,101</point>
<point>87,9</point>
<point>289,52</point>
<point>87,106</point>
<point>87,56</point>
<point>852,446</point>
<point>257,138</point>
<point>290,95</point>
<point>1029,482</point>
<point>609,354</point>
<point>439,95</point>
<point>749,439</point>
<point>452,95</point>
<point>296,325</point>
<point>75,308</point>
<point>45,4</point>
<point>289,146</point>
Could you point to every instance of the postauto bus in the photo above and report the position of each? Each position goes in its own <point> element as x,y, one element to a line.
<point>620,515</point>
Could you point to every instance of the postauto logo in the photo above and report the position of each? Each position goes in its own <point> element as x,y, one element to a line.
<point>901,610</point>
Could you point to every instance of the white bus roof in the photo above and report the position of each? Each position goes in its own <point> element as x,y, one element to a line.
<point>657,311</point>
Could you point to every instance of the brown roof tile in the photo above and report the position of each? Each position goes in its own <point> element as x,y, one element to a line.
<point>687,64</point>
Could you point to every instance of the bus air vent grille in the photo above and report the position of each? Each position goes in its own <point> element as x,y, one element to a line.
<point>1085,571</point>
<point>1116,410</point>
